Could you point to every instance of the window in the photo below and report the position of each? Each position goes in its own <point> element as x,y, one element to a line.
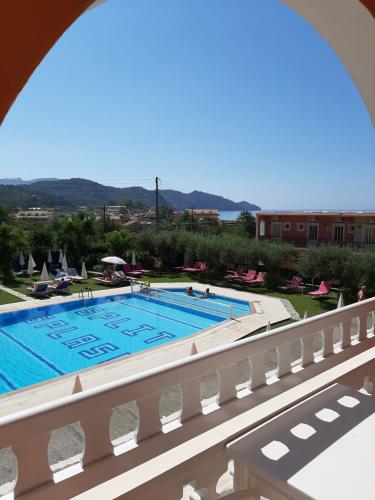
<point>276,230</point>
<point>262,228</point>
<point>351,228</point>
<point>300,226</point>
<point>286,226</point>
<point>369,235</point>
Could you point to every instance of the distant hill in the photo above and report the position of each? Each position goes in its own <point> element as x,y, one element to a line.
<point>17,181</point>
<point>21,196</point>
<point>83,192</point>
<point>199,199</point>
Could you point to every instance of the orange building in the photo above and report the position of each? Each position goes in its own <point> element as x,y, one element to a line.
<point>309,229</point>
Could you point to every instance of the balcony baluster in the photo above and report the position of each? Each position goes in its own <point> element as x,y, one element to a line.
<point>32,459</point>
<point>258,373</point>
<point>227,383</point>
<point>328,347</point>
<point>149,416</point>
<point>308,349</point>
<point>362,327</point>
<point>97,438</point>
<point>346,334</point>
<point>283,362</point>
<point>191,398</point>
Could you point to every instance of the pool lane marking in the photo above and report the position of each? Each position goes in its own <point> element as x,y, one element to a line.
<point>7,381</point>
<point>33,353</point>
<point>158,314</point>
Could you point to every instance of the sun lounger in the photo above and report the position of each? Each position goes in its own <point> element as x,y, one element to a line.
<point>74,276</point>
<point>292,286</point>
<point>139,268</point>
<point>198,267</point>
<point>323,291</point>
<point>61,275</point>
<point>118,278</point>
<point>259,280</point>
<point>127,268</point>
<point>38,290</point>
<point>60,286</point>
<point>248,278</point>
<point>237,274</point>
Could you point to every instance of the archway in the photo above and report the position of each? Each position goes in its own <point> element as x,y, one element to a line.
<point>347,25</point>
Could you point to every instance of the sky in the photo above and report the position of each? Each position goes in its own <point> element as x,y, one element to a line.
<point>239,98</point>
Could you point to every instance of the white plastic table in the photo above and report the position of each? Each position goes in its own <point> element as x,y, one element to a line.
<point>323,448</point>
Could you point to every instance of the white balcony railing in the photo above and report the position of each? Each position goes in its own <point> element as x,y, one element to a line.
<point>281,361</point>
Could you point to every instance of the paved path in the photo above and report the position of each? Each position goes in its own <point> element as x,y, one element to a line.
<point>16,294</point>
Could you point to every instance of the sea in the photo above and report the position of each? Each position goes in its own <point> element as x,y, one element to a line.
<point>230,215</point>
<point>233,214</point>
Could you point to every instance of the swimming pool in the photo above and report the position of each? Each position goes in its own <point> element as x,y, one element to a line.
<point>46,342</point>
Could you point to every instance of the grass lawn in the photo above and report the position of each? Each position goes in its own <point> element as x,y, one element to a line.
<point>21,285</point>
<point>7,298</point>
<point>300,302</point>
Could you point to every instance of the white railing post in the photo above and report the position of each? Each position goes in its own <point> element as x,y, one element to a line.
<point>362,327</point>
<point>346,334</point>
<point>97,437</point>
<point>258,370</point>
<point>283,362</point>
<point>191,398</point>
<point>308,349</point>
<point>328,341</point>
<point>227,383</point>
<point>33,468</point>
<point>148,416</point>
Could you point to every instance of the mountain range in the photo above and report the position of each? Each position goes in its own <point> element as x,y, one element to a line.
<point>76,192</point>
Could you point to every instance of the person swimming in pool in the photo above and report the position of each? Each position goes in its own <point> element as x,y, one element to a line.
<point>190,292</point>
<point>207,293</point>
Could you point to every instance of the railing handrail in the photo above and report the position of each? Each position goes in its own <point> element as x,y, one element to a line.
<point>155,379</point>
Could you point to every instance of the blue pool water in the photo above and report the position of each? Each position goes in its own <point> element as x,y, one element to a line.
<point>43,343</point>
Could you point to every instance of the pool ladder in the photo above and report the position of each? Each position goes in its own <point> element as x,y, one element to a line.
<point>89,294</point>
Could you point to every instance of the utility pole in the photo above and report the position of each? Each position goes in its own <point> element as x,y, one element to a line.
<point>157,202</point>
<point>104,220</point>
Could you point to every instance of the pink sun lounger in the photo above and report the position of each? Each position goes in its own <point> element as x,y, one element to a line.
<point>258,280</point>
<point>249,277</point>
<point>293,286</point>
<point>324,289</point>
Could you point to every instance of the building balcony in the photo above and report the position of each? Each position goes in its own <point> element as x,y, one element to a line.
<point>183,453</point>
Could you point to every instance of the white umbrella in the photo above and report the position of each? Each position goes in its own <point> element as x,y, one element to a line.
<point>113,260</point>
<point>44,276</point>
<point>64,265</point>
<point>84,272</point>
<point>134,262</point>
<point>30,265</point>
<point>340,302</point>
<point>21,259</point>
<point>268,327</point>
<point>49,258</point>
<point>61,257</point>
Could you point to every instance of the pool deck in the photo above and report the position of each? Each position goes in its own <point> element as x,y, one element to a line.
<point>263,309</point>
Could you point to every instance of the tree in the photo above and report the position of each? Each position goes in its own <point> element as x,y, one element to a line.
<point>41,239</point>
<point>248,223</point>
<point>119,242</point>
<point>79,235</point>
<point>4,214</point>
<point>12,239</point>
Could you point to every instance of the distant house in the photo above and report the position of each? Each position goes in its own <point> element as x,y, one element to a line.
<point>309,229</point>
<point>204,213</point>
<point>36,215</point>
<point>197,214</point>
<point>116,209</point>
